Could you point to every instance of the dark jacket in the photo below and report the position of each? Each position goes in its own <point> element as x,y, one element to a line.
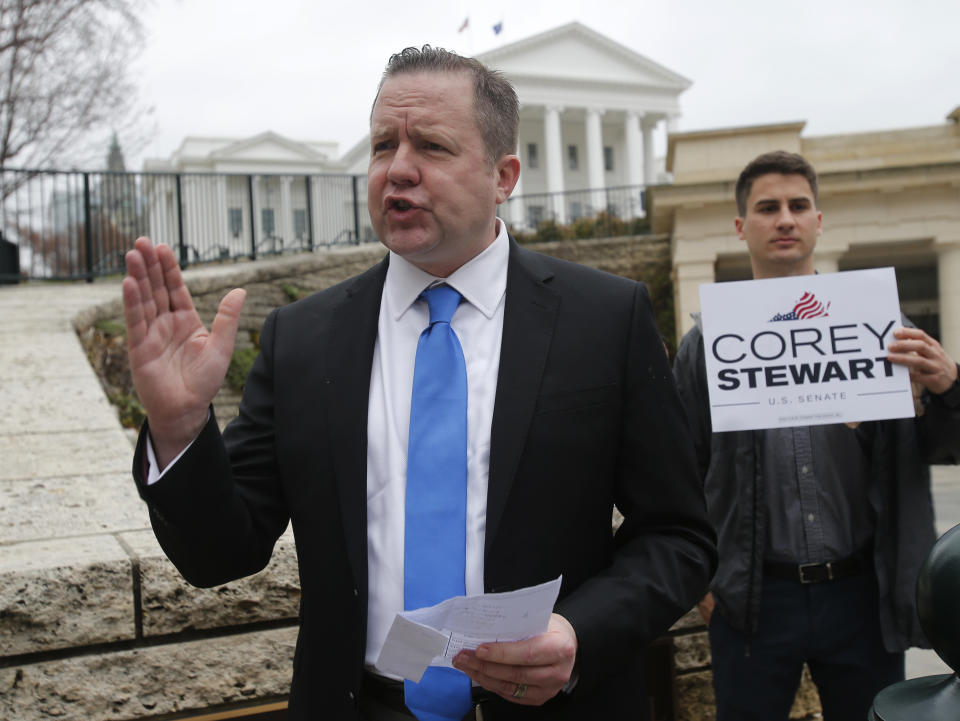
<point>586,416</point>
<point>899,494</point>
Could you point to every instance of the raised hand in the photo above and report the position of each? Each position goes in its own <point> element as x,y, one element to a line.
<point>177,366</point>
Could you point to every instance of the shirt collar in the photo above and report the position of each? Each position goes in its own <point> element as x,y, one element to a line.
<point>482,281</point>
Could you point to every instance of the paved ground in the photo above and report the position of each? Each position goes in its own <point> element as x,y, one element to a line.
<point>56,416</point>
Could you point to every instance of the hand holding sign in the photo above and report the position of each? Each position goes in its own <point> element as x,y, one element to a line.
<point>925,358</point>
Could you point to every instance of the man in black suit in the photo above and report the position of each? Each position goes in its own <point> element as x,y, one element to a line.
<point>572,409</point>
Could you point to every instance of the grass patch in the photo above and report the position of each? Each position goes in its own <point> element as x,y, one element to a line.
<point>110,328</point>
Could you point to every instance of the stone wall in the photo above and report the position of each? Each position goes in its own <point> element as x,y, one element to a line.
<point>104,627</point>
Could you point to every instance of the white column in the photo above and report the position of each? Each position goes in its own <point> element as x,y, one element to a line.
<point>595,178</point>
<point>948,270</point>
<point>517,214</point>
<point>222,229</point>
<point>316,210</point>
<point>633,149</point>
<point>160,201</point>
<point>826,261</point>
<point>649,171</point>
<point>256,228</point>
<point>689,277</point>
<point>554,156</point>
<point>634,161</point>
<point>285,226</point>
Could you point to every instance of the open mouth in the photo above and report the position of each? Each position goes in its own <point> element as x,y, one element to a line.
<point>399,204</point>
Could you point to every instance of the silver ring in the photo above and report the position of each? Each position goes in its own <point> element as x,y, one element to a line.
<point>520,691</point>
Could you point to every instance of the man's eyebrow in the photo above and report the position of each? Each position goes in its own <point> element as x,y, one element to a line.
<point>776,201</point>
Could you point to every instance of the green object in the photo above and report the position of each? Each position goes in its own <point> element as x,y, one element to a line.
<point>240,364</point>
<point>932,698</point>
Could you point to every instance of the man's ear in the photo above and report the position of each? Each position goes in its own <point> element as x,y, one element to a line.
<point>738,224</point>
<point>508,173</point>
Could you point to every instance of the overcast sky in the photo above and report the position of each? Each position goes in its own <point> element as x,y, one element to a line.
<point>308,69</point>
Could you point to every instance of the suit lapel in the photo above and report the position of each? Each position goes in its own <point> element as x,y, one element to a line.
<point>528,322</point>
<point>529,318</point>
<point>350,352</point>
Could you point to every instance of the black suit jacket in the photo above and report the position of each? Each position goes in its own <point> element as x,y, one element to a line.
<point>586,416</point>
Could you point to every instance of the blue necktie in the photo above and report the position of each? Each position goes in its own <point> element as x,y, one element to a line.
<point>436,501</point>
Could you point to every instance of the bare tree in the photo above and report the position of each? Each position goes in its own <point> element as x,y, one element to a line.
<point>64,74</point>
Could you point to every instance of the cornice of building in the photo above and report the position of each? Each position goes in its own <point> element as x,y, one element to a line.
<point>665,200</point>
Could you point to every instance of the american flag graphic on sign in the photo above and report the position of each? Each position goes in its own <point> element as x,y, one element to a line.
<point>807,307</point>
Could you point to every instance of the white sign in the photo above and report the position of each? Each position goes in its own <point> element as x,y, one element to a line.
<point>803,350</point>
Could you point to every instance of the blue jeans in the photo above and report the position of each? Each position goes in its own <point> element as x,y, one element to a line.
<point>834,627</point>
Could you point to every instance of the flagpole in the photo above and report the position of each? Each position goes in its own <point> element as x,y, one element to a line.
<point>465,26</point>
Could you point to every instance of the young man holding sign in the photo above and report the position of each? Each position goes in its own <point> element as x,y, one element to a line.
<point>822,528</point>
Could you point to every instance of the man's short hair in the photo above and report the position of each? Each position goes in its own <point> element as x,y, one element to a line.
<point>778,161</point>
<point>494,98</point>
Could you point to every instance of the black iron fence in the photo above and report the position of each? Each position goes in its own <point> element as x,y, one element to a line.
<point>537,212</point>
<point>79,225</point>
<point>70,225</point>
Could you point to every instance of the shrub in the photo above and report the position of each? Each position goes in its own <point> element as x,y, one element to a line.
<point>131,411</point>
<point>110,328</point>
<point>294,292</point>
<point>240,365</point>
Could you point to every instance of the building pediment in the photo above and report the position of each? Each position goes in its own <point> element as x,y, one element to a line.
<point>270,146</point>
<point>575,52</point>
<point>264,152</point>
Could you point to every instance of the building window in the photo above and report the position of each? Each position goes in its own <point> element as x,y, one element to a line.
<point>573,162</point>
<point>299,222</point>
<point>607,158</point>
<point>267,221</point>
<point>235,221</point>
<point>532,160</point>
<point>576,209</point>
<point>535,215</point>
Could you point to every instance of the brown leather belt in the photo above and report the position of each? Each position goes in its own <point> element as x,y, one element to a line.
<point>388,692</point>
<point>819,572</point>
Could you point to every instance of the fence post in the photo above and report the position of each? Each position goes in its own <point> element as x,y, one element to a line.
<point>184,260</point>
<point>356,213</point>
<point>253,220</point>
<point>87,226</point>
<point>307,189</point>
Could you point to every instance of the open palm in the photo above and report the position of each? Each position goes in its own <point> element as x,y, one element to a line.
<point>177,366</point>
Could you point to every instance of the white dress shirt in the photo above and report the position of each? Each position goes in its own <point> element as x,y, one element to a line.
<point>478,323</point>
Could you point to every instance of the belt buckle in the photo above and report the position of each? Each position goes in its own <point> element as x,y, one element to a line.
<point>803,568</point>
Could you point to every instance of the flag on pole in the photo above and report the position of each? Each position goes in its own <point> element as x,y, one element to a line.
<point>466,22</point>
<point>498,28</point>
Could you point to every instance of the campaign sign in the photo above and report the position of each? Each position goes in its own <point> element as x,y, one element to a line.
<point>803,350</point>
